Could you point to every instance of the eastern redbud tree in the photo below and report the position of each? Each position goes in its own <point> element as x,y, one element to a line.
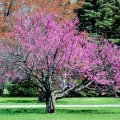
<point>54,56</point>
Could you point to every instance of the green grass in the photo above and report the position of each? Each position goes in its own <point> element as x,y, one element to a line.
<point>62,114</point>
<point>90,100</point>
<point>66,101</point>
<point>18,100</point>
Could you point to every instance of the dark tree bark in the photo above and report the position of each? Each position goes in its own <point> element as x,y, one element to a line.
<point>1,92</point>
<point>50,102</point>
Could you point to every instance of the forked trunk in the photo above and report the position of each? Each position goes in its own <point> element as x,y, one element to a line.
<point>50,102</point>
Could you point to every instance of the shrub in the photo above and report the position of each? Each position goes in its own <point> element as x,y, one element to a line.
<point>22,89</point>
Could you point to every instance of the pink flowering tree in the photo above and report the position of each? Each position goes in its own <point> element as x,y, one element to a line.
<point>102,65</point>
<point>45,52</point>
<point>105,68</point>
<point>53,56</point>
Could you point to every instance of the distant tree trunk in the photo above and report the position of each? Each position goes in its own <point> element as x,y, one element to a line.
<point>50,102</point>
<point>41,96</point>
<point>1,92</point>
<point>1,88</point>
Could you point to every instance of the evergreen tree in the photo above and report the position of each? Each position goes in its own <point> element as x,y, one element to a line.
<point>101,17</point>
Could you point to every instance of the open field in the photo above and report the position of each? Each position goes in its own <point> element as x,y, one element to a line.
<point>66,101</point>
<point>61,114</point>
<point>81,113</point>
<point>18,100</point>
<point>89,100</point>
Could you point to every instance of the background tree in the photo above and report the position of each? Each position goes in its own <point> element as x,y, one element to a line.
<point>21,89</point>
<point>9,8</point>
<point>101,17</point>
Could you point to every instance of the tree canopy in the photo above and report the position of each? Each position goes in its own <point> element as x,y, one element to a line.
<point>101,17</point>
<point>10,8</point>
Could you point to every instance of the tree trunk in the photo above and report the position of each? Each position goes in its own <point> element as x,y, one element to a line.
<point>1,92</point>
<point>50,102</point>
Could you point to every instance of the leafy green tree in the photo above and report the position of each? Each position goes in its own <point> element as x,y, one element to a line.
<point>101,17</point>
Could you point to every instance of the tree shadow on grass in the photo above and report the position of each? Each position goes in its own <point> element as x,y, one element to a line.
<point>86,111</point>
<point>20,101</point>
<point>23,110</point>
<point>59,111</point>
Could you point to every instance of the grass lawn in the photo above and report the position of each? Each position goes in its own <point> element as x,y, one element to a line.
<point>89,100</point>
<point>62,114</point>
<point>18,100</point>
<point>66,101</point>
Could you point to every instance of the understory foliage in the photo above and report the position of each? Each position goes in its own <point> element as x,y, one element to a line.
<point>56,58</point>
<point>21,89</point>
